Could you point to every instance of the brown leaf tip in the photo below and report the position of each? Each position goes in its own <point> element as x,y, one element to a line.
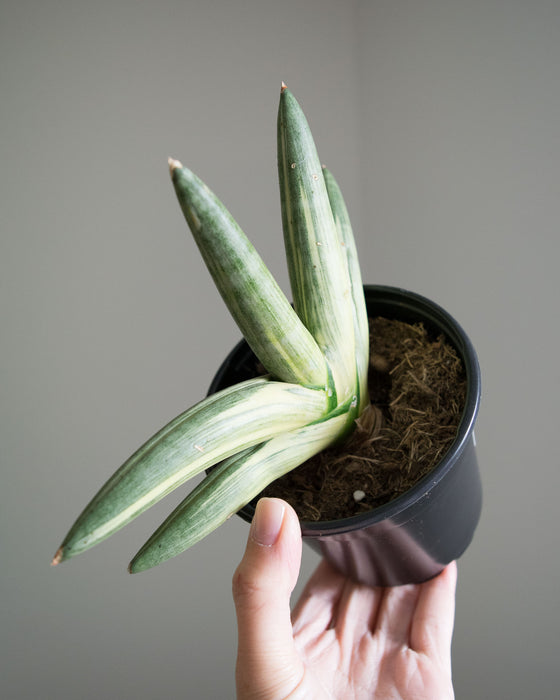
<point>284,87</point>
<point>57,557</point>
<point>173,164</point>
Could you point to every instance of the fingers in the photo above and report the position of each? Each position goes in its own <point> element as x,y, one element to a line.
<point>262,585</point>
<point>357,612</point>
<point>314,612</point>
<point>396,610</point>
<point>432,626</point>
<point>420,616</point>
<point>319,598</point>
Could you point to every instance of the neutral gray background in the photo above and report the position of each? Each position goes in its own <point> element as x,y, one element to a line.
<point>441,121</point>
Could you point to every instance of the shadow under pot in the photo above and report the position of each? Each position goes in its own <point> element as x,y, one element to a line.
<point>414,536</point>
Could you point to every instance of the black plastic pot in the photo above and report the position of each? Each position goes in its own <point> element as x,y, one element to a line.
<point>412,538</point>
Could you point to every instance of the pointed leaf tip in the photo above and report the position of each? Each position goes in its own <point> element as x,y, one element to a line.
<point>57,557</point>
<point>284,87</point>
<point>173,164</point>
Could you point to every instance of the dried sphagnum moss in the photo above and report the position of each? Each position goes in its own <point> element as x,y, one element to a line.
<point>417,386</point>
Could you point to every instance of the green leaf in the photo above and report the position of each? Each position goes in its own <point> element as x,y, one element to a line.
<point>217,427</point>
<point>271,327</point>
<point>359,310</point>
<point>316,259</point>
<point>230,486</point>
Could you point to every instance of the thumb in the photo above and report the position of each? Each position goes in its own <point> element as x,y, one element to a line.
<point>267,661</point>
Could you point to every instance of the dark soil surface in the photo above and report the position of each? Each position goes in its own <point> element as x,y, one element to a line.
<point>417,390</point>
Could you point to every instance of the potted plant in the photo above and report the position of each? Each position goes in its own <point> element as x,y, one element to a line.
<point>316,354</point>
<point>409,538</point>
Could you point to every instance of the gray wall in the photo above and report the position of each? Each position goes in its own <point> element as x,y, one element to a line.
<point>461,116</point>
<point>440,120</point>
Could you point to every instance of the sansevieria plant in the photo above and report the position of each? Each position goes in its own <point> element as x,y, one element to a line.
<point>316,356</point>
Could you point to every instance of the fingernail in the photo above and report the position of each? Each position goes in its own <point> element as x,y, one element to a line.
<point>267,521</point>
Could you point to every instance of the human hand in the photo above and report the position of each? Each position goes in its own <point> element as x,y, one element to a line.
<point>344,641</point>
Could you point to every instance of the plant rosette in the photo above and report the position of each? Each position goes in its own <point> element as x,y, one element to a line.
<point>413,537</point>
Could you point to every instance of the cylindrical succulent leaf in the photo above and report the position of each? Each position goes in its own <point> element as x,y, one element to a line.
<point>316,259</point>
<point>271,327</point>
<point>359,310</point>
